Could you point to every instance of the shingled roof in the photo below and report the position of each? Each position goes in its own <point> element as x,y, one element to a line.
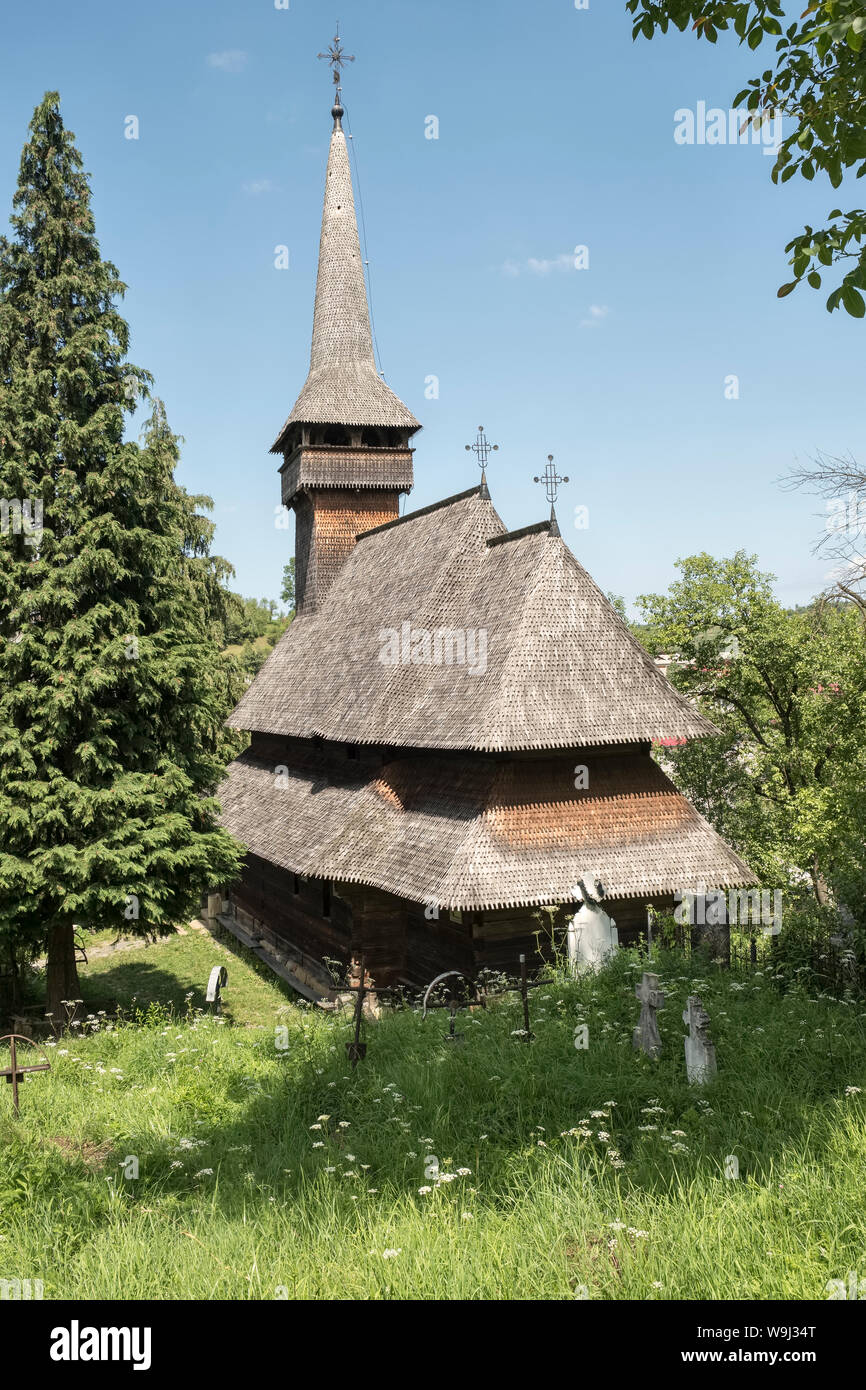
<point>343,386</point>
<point>476,834</point>
<point>560,669</point>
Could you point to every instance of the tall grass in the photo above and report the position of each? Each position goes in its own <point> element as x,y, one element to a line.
<point>593,1173</point>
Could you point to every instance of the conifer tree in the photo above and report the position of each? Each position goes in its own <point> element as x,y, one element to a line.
<point>113,690</point>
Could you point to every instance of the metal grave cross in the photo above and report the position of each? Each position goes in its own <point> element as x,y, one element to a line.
<point>15,1070</point>
<point>356,1050</point>
<point>453,1000</point>
<point>526,1033</point>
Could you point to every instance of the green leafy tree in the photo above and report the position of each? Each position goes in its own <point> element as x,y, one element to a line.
<point>617,602</point>
<point>818,80</point>
<point>113,690</point>
<point>783,780</point>
<point>287,592</point>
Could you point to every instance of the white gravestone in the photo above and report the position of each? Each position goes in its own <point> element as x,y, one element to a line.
<point>215,985</point>
<point>700,1052</point>
<point>646,1036</point>
<point>592,936</point>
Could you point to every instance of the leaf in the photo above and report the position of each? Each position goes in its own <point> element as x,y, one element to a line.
<point>786,289</point>
<point>755,37</point>
<point>853,301</point>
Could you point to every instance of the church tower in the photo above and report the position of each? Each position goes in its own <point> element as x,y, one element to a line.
<point>346,444</point>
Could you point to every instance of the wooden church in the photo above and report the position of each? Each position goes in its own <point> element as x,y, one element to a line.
<point>456,728</point>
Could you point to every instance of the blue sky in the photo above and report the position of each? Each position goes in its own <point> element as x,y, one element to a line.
<point>555,130</point>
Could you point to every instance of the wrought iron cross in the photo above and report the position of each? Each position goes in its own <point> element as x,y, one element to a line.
<point>482,449</point>
<point>551,480</point>
<point>337,57</point>
<point>16,1070</point>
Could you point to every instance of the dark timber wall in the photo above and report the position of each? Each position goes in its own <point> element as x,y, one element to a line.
<point>400,944</point>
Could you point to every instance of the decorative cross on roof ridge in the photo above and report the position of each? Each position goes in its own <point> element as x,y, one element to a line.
<point>551,480</point>
<point>337,57</point>
<point>482,450</point>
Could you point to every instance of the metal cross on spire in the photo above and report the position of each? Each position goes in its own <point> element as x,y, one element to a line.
<point>482,450</point>
<point>551,480</point>
<point>337,57</point>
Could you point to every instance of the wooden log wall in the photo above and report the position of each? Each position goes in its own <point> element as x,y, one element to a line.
<point>268,893</point>
<point>400,945</point>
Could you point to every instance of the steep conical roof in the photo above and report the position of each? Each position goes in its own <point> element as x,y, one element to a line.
<point>343,386</point>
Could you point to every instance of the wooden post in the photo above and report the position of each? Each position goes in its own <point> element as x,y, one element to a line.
<point>524,990</point>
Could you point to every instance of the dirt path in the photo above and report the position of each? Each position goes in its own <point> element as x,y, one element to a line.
<point>128,943</point>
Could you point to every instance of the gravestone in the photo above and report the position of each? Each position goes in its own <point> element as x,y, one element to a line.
<point>591,936</point>
<point>215,985</point>
<point>214,905</point>
<point>700,1052</point>
<point>646,1035</point>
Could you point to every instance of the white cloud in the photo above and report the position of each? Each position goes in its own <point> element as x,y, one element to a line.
<point>563,262</point>
<point>257,186</point>
<point>232,60</point>
<point>597,312</point>
<point>538,266</point>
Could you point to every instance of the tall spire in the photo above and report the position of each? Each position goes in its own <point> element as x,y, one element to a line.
<point>343,386</point>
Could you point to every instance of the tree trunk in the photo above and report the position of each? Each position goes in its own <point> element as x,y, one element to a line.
<point>822,891</point>
<point>10,985</point>
<point>62,973</point>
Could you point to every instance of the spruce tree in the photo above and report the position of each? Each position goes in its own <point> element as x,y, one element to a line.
<point>113,690</point>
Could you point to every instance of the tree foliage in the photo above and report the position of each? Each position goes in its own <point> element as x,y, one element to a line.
<point>784,779</point>
<point>818,80</point>
<point>113,688</point>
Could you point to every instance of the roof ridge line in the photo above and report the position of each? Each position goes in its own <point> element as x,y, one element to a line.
<point>536,528</point>
<point>422,511</point>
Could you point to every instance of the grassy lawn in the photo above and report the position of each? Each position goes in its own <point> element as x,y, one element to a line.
<point>269,1171</point>
<point>167,972</point>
